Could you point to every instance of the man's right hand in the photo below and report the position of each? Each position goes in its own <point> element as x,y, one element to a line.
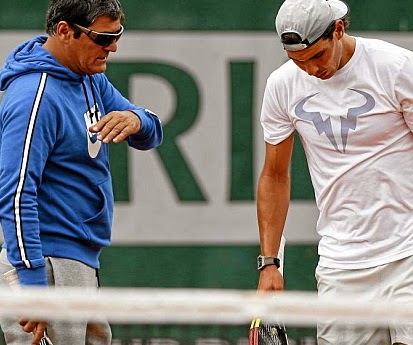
<point>271,279</point>
<point>36,327</point>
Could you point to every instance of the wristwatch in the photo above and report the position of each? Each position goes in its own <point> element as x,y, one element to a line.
<point>263,261</point>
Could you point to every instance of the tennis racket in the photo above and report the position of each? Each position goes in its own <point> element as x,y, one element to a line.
<point>262,333</point>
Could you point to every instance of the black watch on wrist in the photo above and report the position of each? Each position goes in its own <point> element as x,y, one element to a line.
<point>263,261</point>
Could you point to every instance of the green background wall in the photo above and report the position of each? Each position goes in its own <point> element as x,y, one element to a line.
<point>233,15</point>
<point>208,266</point>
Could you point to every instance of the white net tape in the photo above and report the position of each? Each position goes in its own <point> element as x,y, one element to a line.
<point>197,306</point>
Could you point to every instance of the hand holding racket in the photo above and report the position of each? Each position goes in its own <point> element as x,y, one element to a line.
<point>262,333</point>
<point>13,281</point>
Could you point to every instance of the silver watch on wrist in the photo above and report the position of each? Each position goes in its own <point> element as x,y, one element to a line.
<point>263,261</point>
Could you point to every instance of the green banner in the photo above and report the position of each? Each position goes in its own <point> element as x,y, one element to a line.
<point>229,15</point>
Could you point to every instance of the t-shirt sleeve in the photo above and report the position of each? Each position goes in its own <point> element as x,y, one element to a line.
<point>275,121</point>
<point>404,90</point>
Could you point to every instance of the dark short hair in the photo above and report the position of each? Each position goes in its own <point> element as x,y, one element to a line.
<point>294,38</point>
<point>82,12</point>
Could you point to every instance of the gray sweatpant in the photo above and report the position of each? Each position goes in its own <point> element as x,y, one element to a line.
<point>60,272</point>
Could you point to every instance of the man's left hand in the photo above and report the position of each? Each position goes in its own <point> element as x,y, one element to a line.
<point>116,126</point>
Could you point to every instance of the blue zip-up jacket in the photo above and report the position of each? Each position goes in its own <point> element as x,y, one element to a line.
<point>56,194</point>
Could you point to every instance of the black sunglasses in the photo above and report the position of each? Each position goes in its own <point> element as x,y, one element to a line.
<point>101,38</point>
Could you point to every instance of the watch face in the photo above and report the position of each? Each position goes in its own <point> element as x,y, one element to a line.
<point>263,261</point>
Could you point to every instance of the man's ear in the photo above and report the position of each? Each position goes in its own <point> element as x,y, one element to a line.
<point>339,29</point>
<point>64,31</point>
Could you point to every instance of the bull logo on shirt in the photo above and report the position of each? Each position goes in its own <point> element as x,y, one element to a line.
<point>347,123</point>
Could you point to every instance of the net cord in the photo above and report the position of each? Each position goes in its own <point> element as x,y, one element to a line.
<point>197,306</point>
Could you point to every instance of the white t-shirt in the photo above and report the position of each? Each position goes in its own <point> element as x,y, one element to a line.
<point>356,129</point>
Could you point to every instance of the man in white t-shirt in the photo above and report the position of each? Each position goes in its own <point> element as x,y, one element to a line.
<point>350,99</point>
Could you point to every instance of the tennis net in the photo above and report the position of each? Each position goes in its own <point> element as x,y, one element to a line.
<point>199,316</point>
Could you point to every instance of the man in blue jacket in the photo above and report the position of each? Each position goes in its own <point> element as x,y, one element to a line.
<point>58,114</point>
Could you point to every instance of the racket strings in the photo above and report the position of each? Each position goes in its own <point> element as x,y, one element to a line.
<point>271,335</point>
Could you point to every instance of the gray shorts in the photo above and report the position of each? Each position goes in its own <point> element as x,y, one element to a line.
<point>390,281</point>
<point>60,272</point>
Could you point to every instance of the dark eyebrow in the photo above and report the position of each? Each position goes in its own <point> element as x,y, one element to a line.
<point>315,56</point>
<point>111,32</point>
